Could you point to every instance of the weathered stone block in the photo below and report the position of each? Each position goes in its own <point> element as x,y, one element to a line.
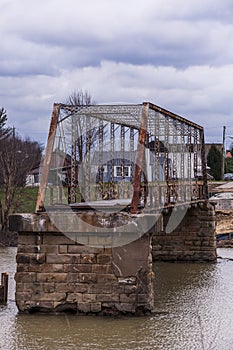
<point>142,298</point>
<point>62,259</point>
<point>82,239</point>
<point>104,259</point>
<point>81,288</point>
<point>49,248</point>
<point>22,296</point>
<point>63,249</point>
<point>23,258</point>
<point>52,277</point>
<point>110,297</point>
<point>100,288</point>
<point>78,249</point>
<point>83,268</point>
<point>84,307</point>
<point>57,239</point>
<point>20,287</point>
<point>25,277</point>
<point>88,277</point>
<point>74,249</point>
<point>37,258</point>
<point>101,241</point>
<point>125,307</point>
<point>24,248</point>
<point>103,269</point>
<point>128,298</point>
<point>41,306</point>
<point>106,251</point>
<point>53,267</point>
<point>74,297</point>
<point>106,278</point>
<point>29,287</point>
<point>49,287</point>
<point>89,297</point>
<point>21,267</point>
<point>88,259</point>
<point>73,277</point>
<point>27,239</point>
<point>96,307</point>
<point>51,297</point>
<point>128,289</point>
<point>64,287</point>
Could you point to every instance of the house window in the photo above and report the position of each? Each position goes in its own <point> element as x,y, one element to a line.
<point>126,171</point>
<point>118,171</point>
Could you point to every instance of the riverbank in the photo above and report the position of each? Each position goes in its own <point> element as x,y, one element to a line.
<point>222,193</point>
<point>224,225</point>
<point>225,243</point>
<point>224,221</point>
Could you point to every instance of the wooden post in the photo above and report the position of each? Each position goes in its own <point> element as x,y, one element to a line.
<point>1,295</point>
<point>4,288</point>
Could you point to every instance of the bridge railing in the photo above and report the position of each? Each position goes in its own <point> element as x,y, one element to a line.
<point>153,196</point>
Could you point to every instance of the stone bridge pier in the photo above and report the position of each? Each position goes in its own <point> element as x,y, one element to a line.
<point>72,268</point>
<point>186,233</point>
<point>65,265</point>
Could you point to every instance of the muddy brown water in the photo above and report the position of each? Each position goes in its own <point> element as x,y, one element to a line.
<point>193,304</point>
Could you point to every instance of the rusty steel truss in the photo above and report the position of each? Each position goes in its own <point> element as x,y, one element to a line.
<point>142,156</point>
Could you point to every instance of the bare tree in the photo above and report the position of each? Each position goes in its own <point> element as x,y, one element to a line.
<point>4,133</point>
<point>17,158</point>
<point>84,133</point>
<point>78,126</point>
<point>80,98</point>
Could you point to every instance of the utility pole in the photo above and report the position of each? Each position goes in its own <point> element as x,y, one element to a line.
<point>223,150</point>
<point>223,140</point>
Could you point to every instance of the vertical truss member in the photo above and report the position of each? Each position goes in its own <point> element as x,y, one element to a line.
<point>100,158</point>
<point>112,148</point>
<point>74,179</point>
<point>140,158</point>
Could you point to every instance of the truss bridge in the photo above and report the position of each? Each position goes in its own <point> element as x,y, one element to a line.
<point>121,186</point>
<point>137,157</point>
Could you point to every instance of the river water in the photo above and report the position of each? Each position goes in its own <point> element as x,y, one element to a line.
<point>193,311</point>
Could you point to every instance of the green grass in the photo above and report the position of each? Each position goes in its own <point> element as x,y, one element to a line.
<point>25,199</point>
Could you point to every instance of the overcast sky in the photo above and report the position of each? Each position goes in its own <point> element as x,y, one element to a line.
<point>177,54</point>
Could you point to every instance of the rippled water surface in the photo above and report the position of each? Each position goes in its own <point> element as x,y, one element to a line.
<point>193,304</point>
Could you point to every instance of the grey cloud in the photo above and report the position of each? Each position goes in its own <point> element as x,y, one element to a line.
<point>202,94</point>
<point>173,33</point>
<point>176,53</point>
<point>24,67</point>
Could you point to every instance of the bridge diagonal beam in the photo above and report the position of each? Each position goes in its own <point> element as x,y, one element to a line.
<point>47,158</point>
